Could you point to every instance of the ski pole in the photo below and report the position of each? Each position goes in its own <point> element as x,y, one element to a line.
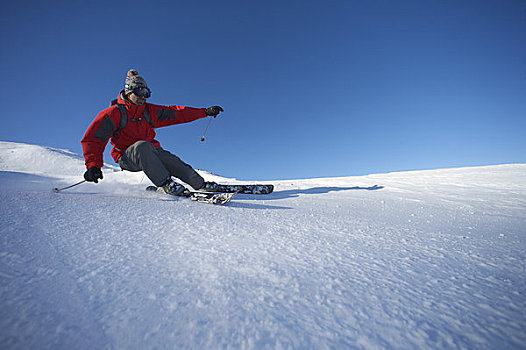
<point>203,138</point>
<point>65,188</point>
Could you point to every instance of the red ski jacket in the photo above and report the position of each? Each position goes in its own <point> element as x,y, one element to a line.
<point>108,121</point>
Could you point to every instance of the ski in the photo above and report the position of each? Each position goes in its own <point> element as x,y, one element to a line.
<point>201,197</point>
<point>244,189</point>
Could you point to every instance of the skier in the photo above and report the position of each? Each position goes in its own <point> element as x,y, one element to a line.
<point>129,123</point>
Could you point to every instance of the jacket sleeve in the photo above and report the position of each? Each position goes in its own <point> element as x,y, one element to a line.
<point>171,115</point>
<point>96,137</point>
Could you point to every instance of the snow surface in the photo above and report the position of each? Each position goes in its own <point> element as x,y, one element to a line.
<point>415,260</point>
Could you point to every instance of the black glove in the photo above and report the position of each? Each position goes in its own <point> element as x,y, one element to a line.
<point>214,111</point>
<point>93,174</point>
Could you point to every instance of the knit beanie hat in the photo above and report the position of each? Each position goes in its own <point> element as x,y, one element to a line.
<point>133,80</point>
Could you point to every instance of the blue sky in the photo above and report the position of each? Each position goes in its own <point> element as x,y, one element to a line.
<point>309,88</point>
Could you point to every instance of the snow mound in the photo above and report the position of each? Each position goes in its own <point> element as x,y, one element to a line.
<point>413,260</point>
<point>33,159</point>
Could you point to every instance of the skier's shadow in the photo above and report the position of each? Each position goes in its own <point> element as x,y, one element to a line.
<point>297,192</point>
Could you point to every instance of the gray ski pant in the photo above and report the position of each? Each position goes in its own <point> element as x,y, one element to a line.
<point>159,165</point>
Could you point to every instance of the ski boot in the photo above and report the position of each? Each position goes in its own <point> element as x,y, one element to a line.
<point>171,187</point>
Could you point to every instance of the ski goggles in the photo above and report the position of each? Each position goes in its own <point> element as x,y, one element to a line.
<point>142,92</point>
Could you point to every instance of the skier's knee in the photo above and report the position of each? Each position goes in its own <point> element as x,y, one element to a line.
<point>143,146</point>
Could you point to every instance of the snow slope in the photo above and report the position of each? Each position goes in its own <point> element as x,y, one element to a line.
<point>415,260</point>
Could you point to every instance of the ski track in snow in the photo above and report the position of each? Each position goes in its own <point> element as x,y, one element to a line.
<point>430,259</point>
